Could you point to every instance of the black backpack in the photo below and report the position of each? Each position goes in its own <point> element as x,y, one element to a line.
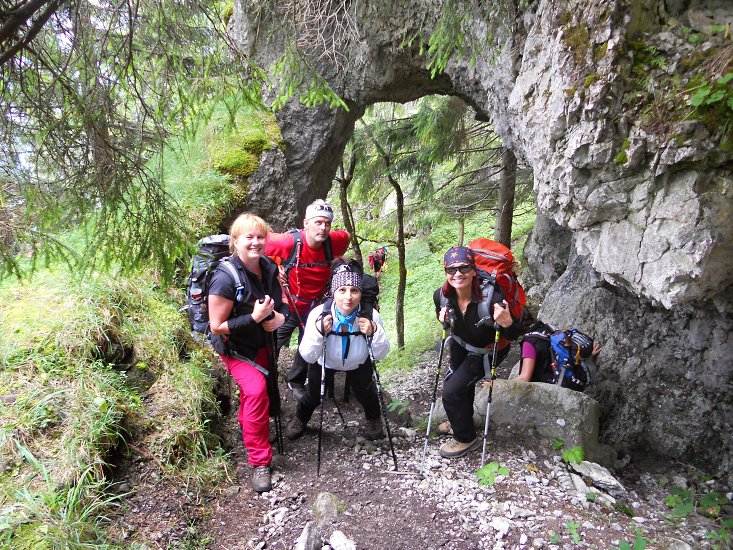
<point>210,252</point>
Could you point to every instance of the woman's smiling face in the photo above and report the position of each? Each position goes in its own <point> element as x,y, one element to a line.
<point>460,275</point>
<point>250,244</point>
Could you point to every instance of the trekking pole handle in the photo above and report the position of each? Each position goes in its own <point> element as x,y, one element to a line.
<point>272,313</point>
<point>485,321</point>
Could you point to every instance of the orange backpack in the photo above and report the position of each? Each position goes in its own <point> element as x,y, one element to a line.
<point>495,262</point>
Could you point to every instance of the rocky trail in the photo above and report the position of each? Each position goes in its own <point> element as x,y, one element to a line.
<point>359,502</point>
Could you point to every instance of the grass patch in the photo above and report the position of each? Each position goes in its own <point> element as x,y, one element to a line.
<point>68,400</point>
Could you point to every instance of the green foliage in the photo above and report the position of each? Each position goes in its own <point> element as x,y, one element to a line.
<point>115,86</point>
<point>73,404</point>
<point>721,536</point>
<point>712,100</point>
<point>554,538</point>
<point>54,516</point>
<point>590,79</point>
<point>574,455</point>
<point>572,529</point>
<point>621,157</point>
<point>558,443</point>
<point>398,406</point>
<point>299,79</point>
<point>639,543</point>
<point>488,472</point>
<point>624,508</point>
<point>446,40</point>
<point>591,496</point>
<point>710,504</point>
<point>599,51</point>
<point>681,502</point>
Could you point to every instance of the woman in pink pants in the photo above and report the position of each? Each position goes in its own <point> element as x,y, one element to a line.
<point>245,308</point>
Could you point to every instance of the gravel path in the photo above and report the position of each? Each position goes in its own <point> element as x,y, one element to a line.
<point>441,505</point>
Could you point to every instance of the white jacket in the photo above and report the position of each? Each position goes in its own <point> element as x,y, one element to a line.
<point>311,346</point>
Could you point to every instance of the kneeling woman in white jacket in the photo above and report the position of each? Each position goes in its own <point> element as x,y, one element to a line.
<point>346,349</point>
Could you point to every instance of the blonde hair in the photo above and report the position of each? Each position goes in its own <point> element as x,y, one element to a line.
<point>242,224</point>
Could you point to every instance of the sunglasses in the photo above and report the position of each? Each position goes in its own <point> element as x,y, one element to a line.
<point>462,268</point>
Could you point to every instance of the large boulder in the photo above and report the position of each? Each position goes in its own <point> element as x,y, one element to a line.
<point>540,410</point>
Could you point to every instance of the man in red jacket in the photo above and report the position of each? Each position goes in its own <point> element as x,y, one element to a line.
<point>305,256</point>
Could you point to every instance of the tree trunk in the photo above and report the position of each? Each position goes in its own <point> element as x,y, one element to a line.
<point>505,213</point>
<point>461,230</point>
<point>346,213</point>
<point>401,285</point>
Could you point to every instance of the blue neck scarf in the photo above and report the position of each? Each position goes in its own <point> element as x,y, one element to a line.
<point>344,321</point>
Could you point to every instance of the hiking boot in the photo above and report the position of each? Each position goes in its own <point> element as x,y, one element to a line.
<point>454,448</point>
<point>298,390</point>
<point>373,429</point>
<point>295,428</point>
<point>444,428</point>
<point>261,479</point>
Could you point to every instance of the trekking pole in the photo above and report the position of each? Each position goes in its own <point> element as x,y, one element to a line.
<point>280,442</point>
<point>270,345</point>
<point>323,396</point>
<point>289,295</point>
<point>292,303</point>
<point>380,395</point>
<point>491,389</point>
<point>435,394</point>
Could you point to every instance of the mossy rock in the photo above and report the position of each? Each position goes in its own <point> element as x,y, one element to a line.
<point>236,151</point>
<point>577,39</point>
<point>235,161</point>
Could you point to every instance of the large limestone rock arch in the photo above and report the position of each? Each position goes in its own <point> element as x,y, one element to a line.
<point>639,249</point>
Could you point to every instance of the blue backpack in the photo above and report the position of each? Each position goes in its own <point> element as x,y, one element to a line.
<point>569,348</point>
<point>561,355</point>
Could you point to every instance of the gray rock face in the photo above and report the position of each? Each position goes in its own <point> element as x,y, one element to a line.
<point>664,376</point>
<point>652,228</point>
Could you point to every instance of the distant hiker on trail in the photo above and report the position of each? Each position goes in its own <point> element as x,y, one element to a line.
<point>305,257</point>
<point>471,344</point>
<point>243,318</point>
<point>377,259</point>
<point>336,333</point>
<point>563,357</point>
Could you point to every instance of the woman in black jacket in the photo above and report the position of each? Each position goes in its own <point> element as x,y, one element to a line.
<point>457,304</point>
<point>245,309</point>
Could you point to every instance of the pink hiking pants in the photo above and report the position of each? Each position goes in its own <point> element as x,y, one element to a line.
<point>254,407</point>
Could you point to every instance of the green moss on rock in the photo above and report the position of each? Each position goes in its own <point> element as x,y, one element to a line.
<point>234,160</point>
<point>577,39</point>
<point>589,80</point>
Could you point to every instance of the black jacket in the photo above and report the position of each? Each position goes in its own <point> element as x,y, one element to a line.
<point>464,326</point>
<point>248,337</point>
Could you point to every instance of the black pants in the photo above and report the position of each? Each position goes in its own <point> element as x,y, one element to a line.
<point>361,381</point>
<point>459,389</point>
<point>299,369</point>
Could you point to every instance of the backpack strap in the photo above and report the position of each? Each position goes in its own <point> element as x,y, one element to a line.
<point>487,294</point>
<point>239,293</point>
<point>293,259</point>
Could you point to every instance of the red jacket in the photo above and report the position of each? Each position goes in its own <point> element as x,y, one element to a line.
<point>307,283</point>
